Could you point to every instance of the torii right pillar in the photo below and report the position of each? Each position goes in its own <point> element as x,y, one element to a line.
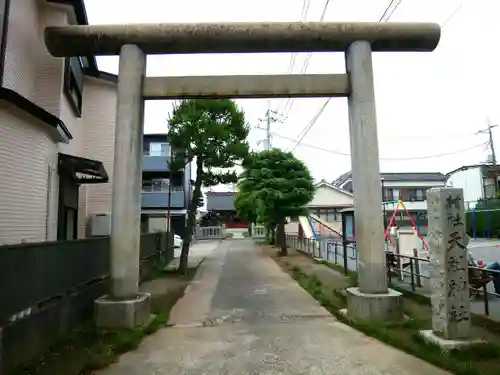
<point>371,299</point>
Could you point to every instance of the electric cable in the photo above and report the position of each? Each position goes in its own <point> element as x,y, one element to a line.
<point>388,12</point>
<point>386,158</point>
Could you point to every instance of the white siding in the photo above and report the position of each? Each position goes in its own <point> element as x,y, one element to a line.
<point>413,184</point>
<point>329,197</point>
<point>21,54</point>
<point>28,209</point>
<point>470,181</point>
<point>29,155</point>
<point>98,139</point>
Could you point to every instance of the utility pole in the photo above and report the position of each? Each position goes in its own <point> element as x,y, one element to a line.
<point>492,149</point>
<point>270,118</point>
<point>268,126</point>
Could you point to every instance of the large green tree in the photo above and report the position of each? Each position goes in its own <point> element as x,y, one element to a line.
<point>244,202</point>
<point>212,135</point>
<point>281,186</point>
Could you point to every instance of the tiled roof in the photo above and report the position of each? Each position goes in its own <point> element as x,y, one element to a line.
<point>397,176</point>
<point>417,176</point>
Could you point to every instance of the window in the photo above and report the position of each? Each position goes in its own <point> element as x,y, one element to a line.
<point>417,195</point>
<point>393,194</point>
<point>73,83</point>
<point>327,214</point>
<point>155,185</point>
<point>159,149</point>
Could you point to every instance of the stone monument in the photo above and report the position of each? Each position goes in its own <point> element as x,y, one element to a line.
<point>450,301</point>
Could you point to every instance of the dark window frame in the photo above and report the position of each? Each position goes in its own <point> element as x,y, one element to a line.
<point>414,196</point>
<point>73,83</point>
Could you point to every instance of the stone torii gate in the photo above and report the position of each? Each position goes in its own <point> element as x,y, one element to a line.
<point>125,306</point>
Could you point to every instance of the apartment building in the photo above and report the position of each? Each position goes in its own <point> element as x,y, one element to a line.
<point>57,128</point>
<point>408,187</point>
<point>163,188</point>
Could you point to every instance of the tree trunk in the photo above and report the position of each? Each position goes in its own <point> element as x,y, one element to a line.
<point>193,206</point>
<point>270,235</point>
<point>282,238</point>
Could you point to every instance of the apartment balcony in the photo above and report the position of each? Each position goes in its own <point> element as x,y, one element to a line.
<point>156,161</point>
<point>410,205</point>
<point>159,198</point>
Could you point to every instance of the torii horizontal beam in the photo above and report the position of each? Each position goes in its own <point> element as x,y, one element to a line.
<point>247,86</point>
<point>187,38</point>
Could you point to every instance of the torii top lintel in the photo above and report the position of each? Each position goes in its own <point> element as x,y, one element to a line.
<point>187,38</point>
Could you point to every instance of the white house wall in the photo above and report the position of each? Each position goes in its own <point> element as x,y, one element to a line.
<point>413,184</point>
<point>30,181</point>
<point>98,123</point>
<point>470,181</point>
<point>329,197</point>
<point>28,192</point>
<point>410,206</point>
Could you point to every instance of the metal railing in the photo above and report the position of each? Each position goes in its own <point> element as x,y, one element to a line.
<point>163,189</point>
<point>479,277</point>
<point>215,232</point>
<point>413,270</point>
<point>165,153</point>
<point>258,232</point>
<point>331,250</point>
<point>399,265</point>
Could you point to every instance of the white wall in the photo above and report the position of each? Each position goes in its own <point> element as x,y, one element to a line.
<point>411,206</point>
<point>470,181</point>
<point>329,197</point>
<point>413,184</point>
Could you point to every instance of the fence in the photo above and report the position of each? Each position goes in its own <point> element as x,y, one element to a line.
<point>416,273</point>
<point>333,251</point>
<point>402,270</point>
<point>50,287</point>
<point>483,218</point>
<point>210,233</point>
<point>258,232</point>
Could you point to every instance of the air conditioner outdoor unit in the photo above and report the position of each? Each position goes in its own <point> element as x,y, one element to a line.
<point>100,224</point>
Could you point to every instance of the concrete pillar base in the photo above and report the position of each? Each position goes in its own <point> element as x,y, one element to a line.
<point>430,337</point>
<point>386,307</point>
<point>123,314</point>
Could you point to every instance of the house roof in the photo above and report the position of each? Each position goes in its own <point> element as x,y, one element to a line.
<point>396,176</point>
<point>57,126</point>
<point>331,186</point>
<point>466,167</point>
<point>82,19</point>
<point>413,176</point>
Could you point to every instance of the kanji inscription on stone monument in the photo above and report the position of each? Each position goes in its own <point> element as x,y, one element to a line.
<point>449,268</point>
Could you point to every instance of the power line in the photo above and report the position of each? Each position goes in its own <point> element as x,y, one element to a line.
<point>291,101</point>
<point>384,158</point>
<point>303,16</point>
<point>393,5</point>
<point>293,58</point>
<point>389,11</point>
<point>453,14</point>
<point>309,55</point>
<point>310,125</point>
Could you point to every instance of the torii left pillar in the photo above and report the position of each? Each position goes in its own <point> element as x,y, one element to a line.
<point>125,306</point>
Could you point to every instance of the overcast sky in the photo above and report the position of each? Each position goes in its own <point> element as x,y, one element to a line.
<point>428,104</point>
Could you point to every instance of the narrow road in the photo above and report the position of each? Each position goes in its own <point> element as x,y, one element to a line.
<point>243,315</point>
